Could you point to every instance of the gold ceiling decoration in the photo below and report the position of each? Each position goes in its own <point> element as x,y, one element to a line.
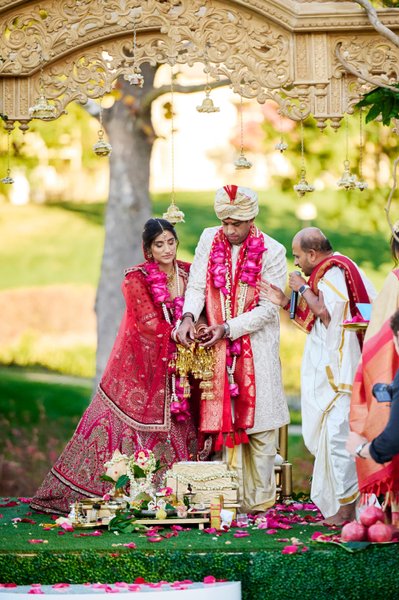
<point>283,50</point>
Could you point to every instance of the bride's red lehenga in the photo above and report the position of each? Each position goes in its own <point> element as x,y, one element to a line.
<point>131,408</point>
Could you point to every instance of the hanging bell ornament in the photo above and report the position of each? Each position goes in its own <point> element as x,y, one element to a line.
<point>242,162</point>
<point>173,214</point>
<point>7,179</point>
<point>281,146</point>
<point>135,78</point>
<point>207,105</point>
<point>101,147</point>
<point>348,180</point>
<point>303,187</point>
<point>43,110</point>
<point>361,185</point>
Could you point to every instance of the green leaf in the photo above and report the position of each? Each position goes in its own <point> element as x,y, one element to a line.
<point>138,472</point>
<point>355,546</point>
<point>373,113</point>
<point>122,481</point>
<point>107,478</point>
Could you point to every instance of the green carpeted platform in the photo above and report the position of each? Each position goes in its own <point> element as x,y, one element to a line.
<point>316,571</point>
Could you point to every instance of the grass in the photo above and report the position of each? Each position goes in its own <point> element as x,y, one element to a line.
<point>39,413</point>
<point>61,244</point>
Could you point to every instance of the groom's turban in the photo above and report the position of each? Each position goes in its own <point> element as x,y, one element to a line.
<point>238,203</point>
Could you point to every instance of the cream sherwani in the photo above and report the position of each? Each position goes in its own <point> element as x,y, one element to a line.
<point>329,364</point>
<point>262,323</point>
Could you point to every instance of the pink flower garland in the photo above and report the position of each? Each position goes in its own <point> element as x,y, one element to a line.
<point>251,267</point>
<point>157,281</point>
<point>250,270</point>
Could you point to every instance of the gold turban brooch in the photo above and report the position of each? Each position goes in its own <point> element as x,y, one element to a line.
<point>238,203</point>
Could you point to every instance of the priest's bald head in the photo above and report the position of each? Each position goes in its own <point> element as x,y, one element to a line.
<point>236,202</point>
<point>309,247</point>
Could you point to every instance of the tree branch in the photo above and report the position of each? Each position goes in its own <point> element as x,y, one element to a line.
<point>348,67</point>
<point>376,23</point>
<point>155,93</point>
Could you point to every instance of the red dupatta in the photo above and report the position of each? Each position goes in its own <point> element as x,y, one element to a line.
<point>136,376</point>
<point>368,417</point>
<point>216,414</point>
<point>304,317</point>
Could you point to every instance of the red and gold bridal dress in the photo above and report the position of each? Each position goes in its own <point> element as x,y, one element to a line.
<point>131,408</point>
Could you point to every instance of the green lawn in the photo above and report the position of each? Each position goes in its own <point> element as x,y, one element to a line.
<point>62,243</point>
<point>39,412</point>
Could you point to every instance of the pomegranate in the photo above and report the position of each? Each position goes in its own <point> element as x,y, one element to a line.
<point>353,532</point>
<point>371,515</point>
<point>379,532</point>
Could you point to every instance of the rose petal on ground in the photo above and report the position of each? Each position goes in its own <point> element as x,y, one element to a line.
<point>289,550</point>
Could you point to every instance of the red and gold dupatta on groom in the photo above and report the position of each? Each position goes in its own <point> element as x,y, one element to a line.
<point>238,296</point>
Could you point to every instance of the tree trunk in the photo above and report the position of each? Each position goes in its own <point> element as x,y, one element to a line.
<point>131,135</point>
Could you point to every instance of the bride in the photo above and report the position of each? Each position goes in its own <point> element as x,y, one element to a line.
<point>139,403</point>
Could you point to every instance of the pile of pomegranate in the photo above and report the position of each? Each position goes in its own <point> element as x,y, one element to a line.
<point>371,527</point>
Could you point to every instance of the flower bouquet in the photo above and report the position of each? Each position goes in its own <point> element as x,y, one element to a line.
<point>141,469</point>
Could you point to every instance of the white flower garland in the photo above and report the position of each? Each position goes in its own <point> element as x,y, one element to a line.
<point>183,479</point>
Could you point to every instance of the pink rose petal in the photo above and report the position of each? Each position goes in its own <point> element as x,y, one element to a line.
<point>289,550</point>
<point>241,534</point>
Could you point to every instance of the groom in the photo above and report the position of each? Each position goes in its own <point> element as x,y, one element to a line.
<point>248,404</point>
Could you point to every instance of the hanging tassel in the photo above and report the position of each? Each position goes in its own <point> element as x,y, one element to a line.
<point>244,437</point>
<point>219,442</point>
<point>229,443</point>
<point>237,438</point>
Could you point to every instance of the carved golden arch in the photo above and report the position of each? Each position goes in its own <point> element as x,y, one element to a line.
<point>283,50</point>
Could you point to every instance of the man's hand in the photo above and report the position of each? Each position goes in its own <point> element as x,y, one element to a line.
<point>214,333</point>
<point>273,293</point>
<point>295,281</point>
<point>185,333</point>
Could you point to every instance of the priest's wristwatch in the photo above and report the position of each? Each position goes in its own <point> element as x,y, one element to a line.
<point>303,288</point>
<point>358,450</point>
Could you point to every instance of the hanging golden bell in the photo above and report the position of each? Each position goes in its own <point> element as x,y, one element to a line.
<point>303,187</point>
<point>7,179</point>
<point>348,180</point>
<point>101,147</point>
<point>207,105</point>
<point>281,146</point>
<point>361,185</point>
<point>135,78</point>
<point>242,162</point>
<point>173,214</point>
<point>43,110</point>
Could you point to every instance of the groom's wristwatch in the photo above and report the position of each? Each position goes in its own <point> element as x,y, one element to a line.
<point>359,449</point>
<point>303,288</point>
